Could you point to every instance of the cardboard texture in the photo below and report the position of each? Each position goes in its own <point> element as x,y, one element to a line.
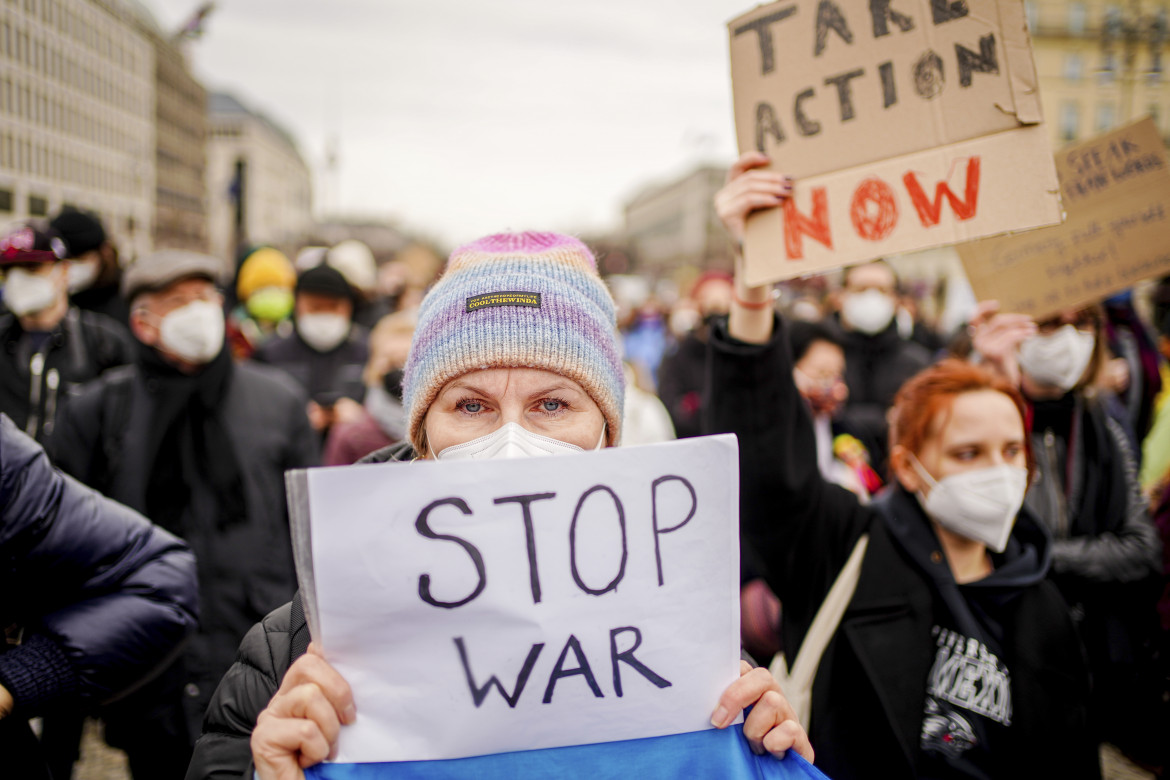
<point>841,93</point>
<point>1117,191</point>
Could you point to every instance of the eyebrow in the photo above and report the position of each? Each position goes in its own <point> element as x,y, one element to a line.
<point>979,443</point>
<point>465,387</point>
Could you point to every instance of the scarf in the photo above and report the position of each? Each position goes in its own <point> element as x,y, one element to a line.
<point>188,443</point>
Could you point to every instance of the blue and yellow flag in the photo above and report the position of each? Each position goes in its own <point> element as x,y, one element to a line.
<point>706,754</point>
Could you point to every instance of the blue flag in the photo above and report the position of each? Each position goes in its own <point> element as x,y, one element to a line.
<point>707,754</point>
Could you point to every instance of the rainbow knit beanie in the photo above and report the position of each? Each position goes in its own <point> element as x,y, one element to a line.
<point>523,300</point>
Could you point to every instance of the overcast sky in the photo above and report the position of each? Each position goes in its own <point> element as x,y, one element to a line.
<point>460,118</point>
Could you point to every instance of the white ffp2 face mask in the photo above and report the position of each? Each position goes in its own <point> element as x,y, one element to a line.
<point>193,332</point>
<point>27,293</point>
<point>869,312</point>
<point>323,332</point>
<point>82,274</point>
<point>980,505</point>
<point>511,441</point>
<point>1059,358</point>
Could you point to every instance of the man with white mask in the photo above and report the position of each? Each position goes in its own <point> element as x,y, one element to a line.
<point>47,347</point>
<point>199,444</point>
<point>877,360</point>
<point>327,351</point>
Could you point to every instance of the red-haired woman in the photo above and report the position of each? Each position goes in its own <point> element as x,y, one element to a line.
<point>955,657</point>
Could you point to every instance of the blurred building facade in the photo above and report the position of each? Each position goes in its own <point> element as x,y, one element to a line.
<point>180,121</point>
<point>259,187</point>
<point>1101,63</point>
<point>674,225</point>
<point>77,105</point>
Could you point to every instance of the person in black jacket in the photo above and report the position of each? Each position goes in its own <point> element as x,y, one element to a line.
<point>877,359</point>
<point>680,377</point>
<point>200,445</point>
<point>95,276</point>
<point>48,348</point>
<point>96,598</point>
<point>326,352</point>
<point>1106,551</point>
<point>956,657</point>
<point>515,355</point>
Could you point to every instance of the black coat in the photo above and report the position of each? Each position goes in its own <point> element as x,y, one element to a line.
<point>680,384</point>
<point>80,348</point>
<point>101,597</point>
<point>869,691</point>
<point>245,568</point>
<point>875,368</point>
<point>224,751</point>
<point>1106,554</point>
<point>323,375</point>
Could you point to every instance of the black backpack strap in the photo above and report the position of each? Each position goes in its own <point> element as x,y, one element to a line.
<point>298,629</point>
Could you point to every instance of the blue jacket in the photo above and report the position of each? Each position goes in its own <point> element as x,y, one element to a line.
<point>97,596</point>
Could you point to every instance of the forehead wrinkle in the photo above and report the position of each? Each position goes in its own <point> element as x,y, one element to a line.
<point>994,423</point>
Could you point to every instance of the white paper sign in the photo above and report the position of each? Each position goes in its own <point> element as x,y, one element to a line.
<point>497,606</point>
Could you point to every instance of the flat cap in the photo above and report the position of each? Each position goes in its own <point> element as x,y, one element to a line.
<point>158,269</point>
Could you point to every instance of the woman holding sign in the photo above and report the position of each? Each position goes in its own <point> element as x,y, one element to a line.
<point>515,355</point>
<point>954,656</point>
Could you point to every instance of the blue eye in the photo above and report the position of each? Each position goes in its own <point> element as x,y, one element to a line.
<point>471,407</point>
<point>551,405</point>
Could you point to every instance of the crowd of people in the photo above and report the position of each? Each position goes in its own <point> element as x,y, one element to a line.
<point>1006,488</point>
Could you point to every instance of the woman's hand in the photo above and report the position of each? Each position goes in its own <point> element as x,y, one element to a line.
<point>771,726</point>
<point>299,728</point>
<point>996,337</point>
<point>748,189</point>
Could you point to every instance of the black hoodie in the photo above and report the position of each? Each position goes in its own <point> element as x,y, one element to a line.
<point>968,701</point>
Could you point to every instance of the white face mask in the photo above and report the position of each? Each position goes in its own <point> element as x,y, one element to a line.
<point>511,441</point>
<point>1059,358</point>
<point>193,332</point>
<point>869,312</point>
<point>82,274</point>
<point>980,505</point>
<point>28,293</point>
<point>323,332</point>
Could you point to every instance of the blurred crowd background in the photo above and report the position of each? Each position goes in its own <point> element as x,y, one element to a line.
<point>120,167</point>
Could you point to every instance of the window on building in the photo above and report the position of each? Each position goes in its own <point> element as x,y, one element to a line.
<point>1076,18</point>
<point>1106,117</point>
<point>1074,66</point>
<point>1070,120</point>
<point>38,206</point>
<point>1107,74</point>
<point>6,201</point>
<point>1112,19</point>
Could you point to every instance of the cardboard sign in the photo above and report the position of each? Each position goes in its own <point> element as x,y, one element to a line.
<point>1117,192</point>
<point>497,606</point>
<point>906,124</point>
